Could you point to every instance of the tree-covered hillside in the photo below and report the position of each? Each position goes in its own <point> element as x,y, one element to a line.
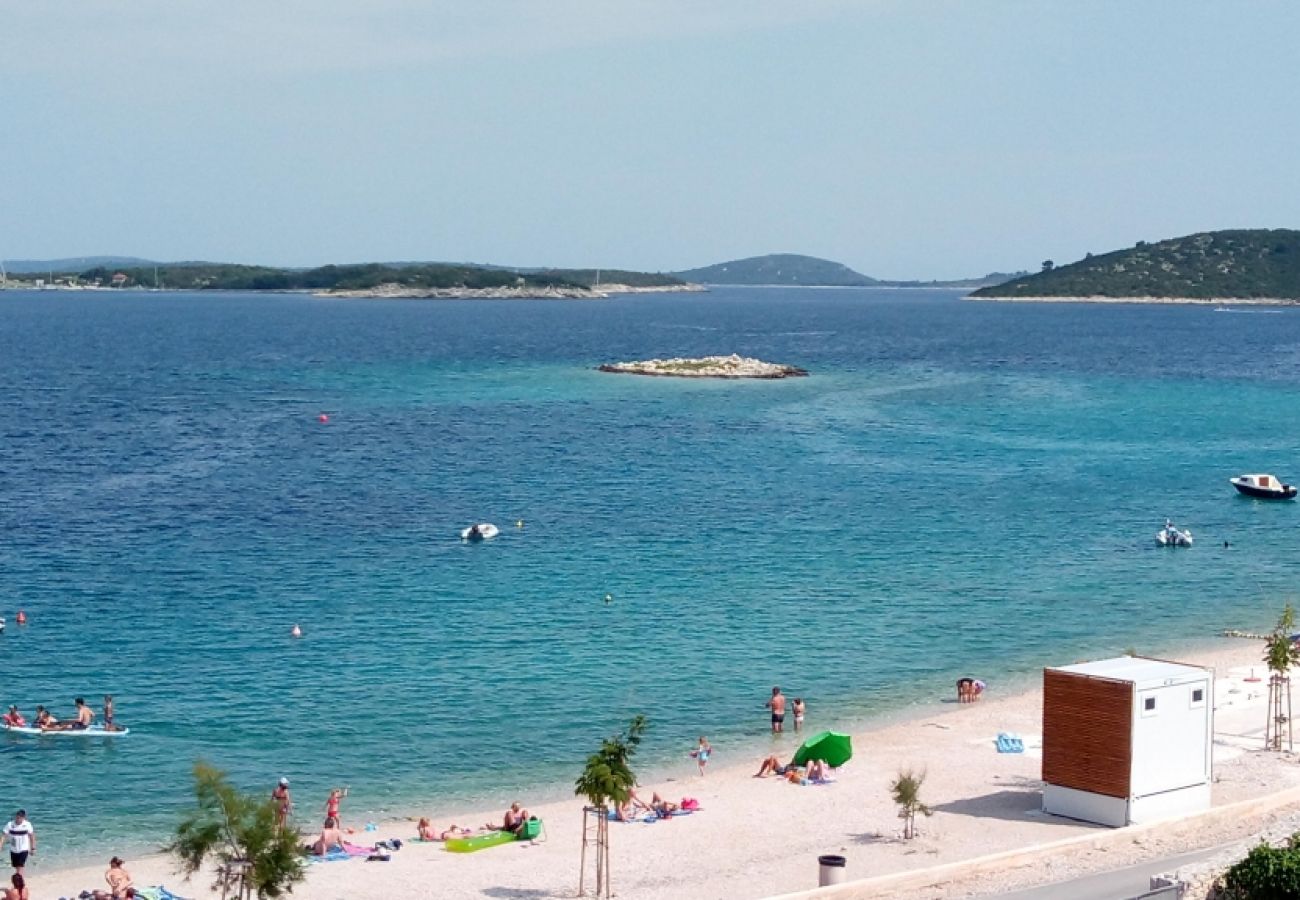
<point>228,277</point>
<point>1211,265</point>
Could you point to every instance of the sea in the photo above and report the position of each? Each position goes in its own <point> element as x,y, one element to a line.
<point>958,488</point>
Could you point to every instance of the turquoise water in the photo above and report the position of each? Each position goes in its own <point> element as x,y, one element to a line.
<point>959,487</point>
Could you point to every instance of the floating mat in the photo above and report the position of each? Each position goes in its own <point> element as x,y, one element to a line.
<point>480,841</point>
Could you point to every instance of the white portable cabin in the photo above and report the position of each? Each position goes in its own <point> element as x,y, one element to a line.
<point>1127,740</point>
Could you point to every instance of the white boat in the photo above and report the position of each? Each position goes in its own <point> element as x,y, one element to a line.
<point>1170,536</point>
<point>1265,487</point>
<point>483,531</point>
<point>94,731</point>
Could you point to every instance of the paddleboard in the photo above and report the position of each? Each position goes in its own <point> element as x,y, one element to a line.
<point>93,731</point>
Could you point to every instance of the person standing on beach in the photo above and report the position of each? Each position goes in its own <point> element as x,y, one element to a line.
<point>777,705</point>
<point>701,753</point>
<point>332,805</point>
<point>22,840</point>
<point>283,803</point>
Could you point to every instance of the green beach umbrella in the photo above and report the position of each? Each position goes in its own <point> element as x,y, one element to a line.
<point>830,747</point>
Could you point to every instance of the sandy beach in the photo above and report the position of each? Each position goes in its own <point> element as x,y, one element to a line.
<point>760,837</point>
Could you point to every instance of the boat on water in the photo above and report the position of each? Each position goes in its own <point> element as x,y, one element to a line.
<point>1171,536</point>
<point>1263,487</point>
<point>483,531</point>
<point>94,731</point>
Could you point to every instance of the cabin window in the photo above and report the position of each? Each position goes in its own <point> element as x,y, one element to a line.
<point>1198,697</point>
<point>1148,706</point>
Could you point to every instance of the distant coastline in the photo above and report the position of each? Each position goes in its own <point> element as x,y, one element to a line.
<point>603,292</point>
<point>1157,301</point>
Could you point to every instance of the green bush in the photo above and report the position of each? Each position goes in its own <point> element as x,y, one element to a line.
<point>1267,873</point>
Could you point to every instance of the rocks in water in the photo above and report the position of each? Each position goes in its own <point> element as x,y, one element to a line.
<point>732,366</point>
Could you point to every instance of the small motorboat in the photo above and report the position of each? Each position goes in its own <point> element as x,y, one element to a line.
<point>1170,536</point>
<point>483,531</point>
<point>1264,487</point>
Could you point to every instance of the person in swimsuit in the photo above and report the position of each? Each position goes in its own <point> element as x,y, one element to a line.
<point>427,832</point>
<point>701,753</point>
<point>108,713</point>
<point>818,771</point>
<point>772,766</point>
<point>118,878</point>
<point>331,838</point>
<point>798,714</point>
<point>332,804</point>
<point>514,820</point>
<point>283,803</point>
<point>85,715</point>
<point>14,718</point>
<point>662,808</point>
<point>19,889</point>
<point>777,705</point>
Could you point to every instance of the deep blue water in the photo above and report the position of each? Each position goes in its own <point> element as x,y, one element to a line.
<point>959,487</point>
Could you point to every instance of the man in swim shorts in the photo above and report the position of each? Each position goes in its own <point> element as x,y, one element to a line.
<point>84,715</point>
<point>777,705</point>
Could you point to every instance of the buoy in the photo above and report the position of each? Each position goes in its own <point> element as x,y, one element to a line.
<point>297,632</point>
<point>322,418</point>
<point>22,617</point>
<point>609,598</point>
<point>519,524</point>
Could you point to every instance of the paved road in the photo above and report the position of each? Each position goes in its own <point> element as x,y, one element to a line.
<point>1117,884</point>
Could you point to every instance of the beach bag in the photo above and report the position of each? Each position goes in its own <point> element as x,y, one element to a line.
<point>690,804</point>
<point>532,830</point>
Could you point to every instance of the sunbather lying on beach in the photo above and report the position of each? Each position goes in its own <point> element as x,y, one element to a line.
<point>331,838</point>
<point>662,808</point>
<point>818,771</point>
<point>427,832</point>
<point>772,766</point>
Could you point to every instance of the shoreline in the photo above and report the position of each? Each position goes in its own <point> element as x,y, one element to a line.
<point>882,741</point>
<point>1152,301</point>
<point>603,292</point>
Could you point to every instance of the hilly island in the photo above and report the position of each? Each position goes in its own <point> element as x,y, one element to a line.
<point>1258,265</point>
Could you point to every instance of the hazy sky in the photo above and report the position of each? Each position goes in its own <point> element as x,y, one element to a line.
<point>913,138</point>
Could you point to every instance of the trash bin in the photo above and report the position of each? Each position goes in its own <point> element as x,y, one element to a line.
<point>830,870</point>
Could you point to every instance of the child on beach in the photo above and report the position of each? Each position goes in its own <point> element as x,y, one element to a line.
<point>798,713</point>
<point>701,753</point>
<point>332,804</point>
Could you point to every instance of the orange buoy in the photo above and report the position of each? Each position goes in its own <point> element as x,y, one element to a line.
<point>22,617</point>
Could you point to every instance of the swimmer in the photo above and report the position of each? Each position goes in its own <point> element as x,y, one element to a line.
<point>798,714</point>
<point>85,715</point>
<point>777,705</point>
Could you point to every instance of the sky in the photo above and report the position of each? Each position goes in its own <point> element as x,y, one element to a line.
<point>904,138</point>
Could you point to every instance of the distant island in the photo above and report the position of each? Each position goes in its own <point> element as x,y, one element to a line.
<point>732,366</point>
<point>362,280</point>
<point>1244,266</point>
<point>796,270</point>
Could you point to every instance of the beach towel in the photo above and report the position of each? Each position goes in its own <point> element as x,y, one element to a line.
<point>1009,743</point>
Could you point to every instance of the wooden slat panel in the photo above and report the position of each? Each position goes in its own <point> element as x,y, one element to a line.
<point>1087,732</point>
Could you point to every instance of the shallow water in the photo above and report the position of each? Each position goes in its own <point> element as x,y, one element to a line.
<point>959,487</point>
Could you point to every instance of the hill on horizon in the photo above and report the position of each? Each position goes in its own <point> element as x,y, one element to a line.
<point>797,270</point>
<point>1210,265</point>
<point>779,268</point>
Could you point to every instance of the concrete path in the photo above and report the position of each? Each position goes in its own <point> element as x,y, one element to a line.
<point>1116,884</point>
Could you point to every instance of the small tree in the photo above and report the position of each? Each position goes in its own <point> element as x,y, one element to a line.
<point>906,791</point>
<point>1280,654</point>
<point>607,778</point>
<point>242,833</point>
